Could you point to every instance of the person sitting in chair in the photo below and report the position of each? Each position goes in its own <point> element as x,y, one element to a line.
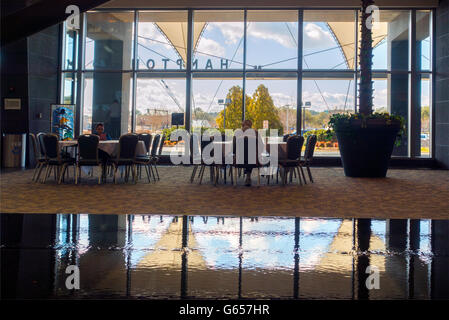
<point>99,128</point>
<point>104,156</point>
<point>247,124</point>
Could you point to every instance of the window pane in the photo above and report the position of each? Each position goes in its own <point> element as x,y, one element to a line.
<point>329,38</point>
<point>391,40</point>
<point>220,41</point>
<point>322,98</point>
<point>162,40</point>
<point>109,40</point>
<point>156,101</point>
<point>69,88</point>
<point>208,112</point>
<point>423,41</point>
<point>425,116</point>
<point>380,96</point>
<point>272,39</point>
<point>70,55</point>
<point>107,100</point>
<point>269,101</point>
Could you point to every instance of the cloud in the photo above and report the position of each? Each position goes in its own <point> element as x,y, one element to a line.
<point>151,95</point>
<point>317,37</point>
<point>231,31</point>
<point>281,99</point>
<point>278,32</point>
<point>334,100</point>
<point>380,98</point>
<point>211,47</point>
<point>273,31</point>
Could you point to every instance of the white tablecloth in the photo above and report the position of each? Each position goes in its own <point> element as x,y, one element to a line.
<point>108,146</point>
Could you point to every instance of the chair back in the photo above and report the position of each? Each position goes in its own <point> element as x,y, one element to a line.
<point>35,144</point>
<point>161,145</point>
<point>294,147</point>
<point>40,140</point>
<point>51,145</point>
<point>155,145</point>
<point>310,147</point>
<point>146,138</point>
<point>285,137</point>
<point>128,146</point>
<point>88,147</point>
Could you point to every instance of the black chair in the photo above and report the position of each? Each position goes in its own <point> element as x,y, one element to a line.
<point>204,165</point>
<point>55,161</point>
<point>286,136</point>
<point>292,163</point>
<point>126,156</point>
<point>156,151</point>
<point>38,157</point>
<point>40,140</point>
<point>88,155</point>
<point>147,139</point>
<point>195,154</point>
<point>308,156</point>
<point>145,160</point>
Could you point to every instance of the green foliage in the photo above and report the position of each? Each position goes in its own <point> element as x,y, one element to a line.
<point>168,131</point>
<point>259,107</point>
<point>233,110</point>
<point>342,121</point>
<point>322,135</point>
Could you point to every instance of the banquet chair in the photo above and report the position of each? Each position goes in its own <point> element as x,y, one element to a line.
<point>157,156</point>
<point>195,154</point>
<point>145,160</point>
<point>126,156</point>
<point>292,164</point>
<point>153,154</point>
<point>308,156</point>
<point>88,155</point>
<point>54,158</point>
<point>38,157</point>
<point>204,165</point>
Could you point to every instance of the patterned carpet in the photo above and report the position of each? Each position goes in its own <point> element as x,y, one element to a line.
<point>403,194</point>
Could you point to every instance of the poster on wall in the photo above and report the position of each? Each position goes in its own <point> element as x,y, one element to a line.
<point>62,119</point>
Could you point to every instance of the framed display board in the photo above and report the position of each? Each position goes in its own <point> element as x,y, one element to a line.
<point>62,120</point>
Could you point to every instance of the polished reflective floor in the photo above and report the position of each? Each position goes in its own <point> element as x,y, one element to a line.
<point>173,257</point>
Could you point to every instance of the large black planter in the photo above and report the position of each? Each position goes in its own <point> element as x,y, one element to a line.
<point>366,152</point>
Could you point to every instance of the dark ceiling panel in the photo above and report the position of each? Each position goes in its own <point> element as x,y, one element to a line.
<point>35,15</point>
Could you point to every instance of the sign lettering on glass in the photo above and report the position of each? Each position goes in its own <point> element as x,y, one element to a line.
<point>151,64</point>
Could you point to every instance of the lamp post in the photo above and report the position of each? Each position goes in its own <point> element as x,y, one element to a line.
<point>307,105</point>
<point>225,103</point>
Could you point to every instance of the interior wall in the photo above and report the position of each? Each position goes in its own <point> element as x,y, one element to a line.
<point>29,71</point>
<point>442,85</point>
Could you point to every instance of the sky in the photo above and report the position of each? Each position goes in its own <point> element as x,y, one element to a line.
<point>269,45</point>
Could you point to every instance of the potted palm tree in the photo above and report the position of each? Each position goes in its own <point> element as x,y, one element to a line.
<point>366,139</point>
